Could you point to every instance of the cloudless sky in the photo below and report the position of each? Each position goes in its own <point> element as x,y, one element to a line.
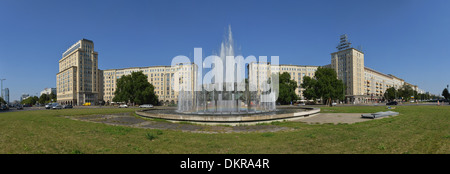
<point>407,38</point>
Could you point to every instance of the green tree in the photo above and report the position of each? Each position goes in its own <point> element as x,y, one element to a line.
<point>287,88</point>
<point>44,98</point>
<point>406,92</point>
<point>309,84</point>
<point>135,88</point>
<point>30,100</point>
<point>445,93</point>
<point>324,85</point>
<point>2,101</point>
<point>390,93</point>
<point>52,96</point>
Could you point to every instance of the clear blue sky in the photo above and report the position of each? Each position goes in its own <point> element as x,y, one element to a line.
<point>407,38</point>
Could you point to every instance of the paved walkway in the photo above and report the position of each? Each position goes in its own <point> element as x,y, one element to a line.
<point>335,118</point>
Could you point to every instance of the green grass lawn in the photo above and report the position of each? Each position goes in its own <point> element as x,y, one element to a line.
<point>418,129</point>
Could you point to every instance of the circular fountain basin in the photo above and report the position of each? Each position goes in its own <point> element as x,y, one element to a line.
<point>229,117</point>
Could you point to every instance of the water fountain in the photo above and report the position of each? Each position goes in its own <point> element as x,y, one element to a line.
<point>229,100</point>
<point>237,101</point>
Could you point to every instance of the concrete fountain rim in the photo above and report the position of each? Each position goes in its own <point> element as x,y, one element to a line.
<point>229,119</point>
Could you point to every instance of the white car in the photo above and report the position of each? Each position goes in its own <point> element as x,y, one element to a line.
<point>56,106</point>
<point>146,106</point>
<point>48,106</point>
<point>123,106</point>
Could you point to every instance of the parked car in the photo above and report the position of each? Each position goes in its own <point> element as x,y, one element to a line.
<point>123,106</point>
<point>4,107</point>
<point>67,106</point>
<point>19,107</point>
<point>56,106</point>
<point>146,106</point>
<point>48,106</point>
<point>333,104</point>
<point>392,103</point>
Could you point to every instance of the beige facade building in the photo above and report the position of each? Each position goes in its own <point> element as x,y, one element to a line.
<point>349,66</point>
<point>261,71</point>
<point>78,80</point>
<point>298,72</point>
<point>376,83</point>
<point>163,78</point>
<point>362,83</point>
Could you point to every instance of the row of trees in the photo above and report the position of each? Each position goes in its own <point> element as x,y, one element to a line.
<point>43,99</point>
<point>135,88</point>
<point>30,100</point>
<point>406,93</point>
<point>325,85</point>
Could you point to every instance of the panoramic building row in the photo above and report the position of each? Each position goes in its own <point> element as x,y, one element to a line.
<point>79,80</point>
<point>363,84</point>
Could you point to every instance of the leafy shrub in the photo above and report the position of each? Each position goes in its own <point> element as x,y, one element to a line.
<point>150,136</point>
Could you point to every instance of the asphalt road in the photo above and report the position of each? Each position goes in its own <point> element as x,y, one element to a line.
<point>43,108</point>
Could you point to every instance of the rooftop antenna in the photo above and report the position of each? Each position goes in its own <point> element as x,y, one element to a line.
<point>360,48</point>
<point>343,43</point>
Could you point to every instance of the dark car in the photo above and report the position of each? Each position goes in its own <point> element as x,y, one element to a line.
<point>67,106</point>
<point>392,103</point>
<point>4,107</point>
<point>19,107</point>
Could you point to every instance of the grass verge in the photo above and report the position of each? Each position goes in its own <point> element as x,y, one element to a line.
<point>418,129</point>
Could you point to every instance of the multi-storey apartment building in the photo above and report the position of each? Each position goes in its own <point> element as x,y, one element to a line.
<point>362,83</point>
<point>78,80</point>
<point>261,71</point>
<point>349,65</point>
<point>376,84</point>
<point>297,73</point>
<point>163,78</point>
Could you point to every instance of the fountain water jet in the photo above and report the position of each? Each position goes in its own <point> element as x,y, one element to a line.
<point>230,100</point>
